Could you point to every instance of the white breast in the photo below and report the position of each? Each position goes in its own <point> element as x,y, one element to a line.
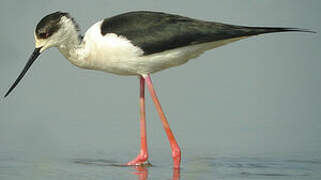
<point>110,53</point>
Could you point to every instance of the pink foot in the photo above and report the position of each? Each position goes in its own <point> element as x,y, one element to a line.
<point>176,154</point>
<point>139,160</point>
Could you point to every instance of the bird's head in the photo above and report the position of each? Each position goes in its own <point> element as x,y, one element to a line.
<point>52,30</point>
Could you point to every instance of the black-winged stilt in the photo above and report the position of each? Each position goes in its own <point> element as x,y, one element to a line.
<point>137,43</point>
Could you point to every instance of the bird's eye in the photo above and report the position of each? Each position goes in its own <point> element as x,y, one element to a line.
<point>43,35</point>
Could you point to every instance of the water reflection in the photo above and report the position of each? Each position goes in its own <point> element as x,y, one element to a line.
<point>208,167</point>
<point>142,173</point>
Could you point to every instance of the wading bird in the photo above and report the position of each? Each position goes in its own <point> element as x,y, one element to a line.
<point>137,44</point>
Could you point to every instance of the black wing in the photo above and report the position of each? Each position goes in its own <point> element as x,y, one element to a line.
<point>156,32</point>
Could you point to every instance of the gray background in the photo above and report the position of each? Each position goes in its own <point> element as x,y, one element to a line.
<point>260,95</point>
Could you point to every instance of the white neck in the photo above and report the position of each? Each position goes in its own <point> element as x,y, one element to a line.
<point>71,45</point>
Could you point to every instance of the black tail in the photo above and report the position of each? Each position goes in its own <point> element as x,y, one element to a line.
<point>221,31</point>
<point>262,30</point>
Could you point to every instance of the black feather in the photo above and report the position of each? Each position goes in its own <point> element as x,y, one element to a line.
<point>156,32</point>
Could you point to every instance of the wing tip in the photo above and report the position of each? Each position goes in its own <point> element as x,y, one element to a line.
<point>299,30</point>
<point>262,30</point>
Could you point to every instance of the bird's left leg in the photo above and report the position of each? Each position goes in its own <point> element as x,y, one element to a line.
<point>143,155</point>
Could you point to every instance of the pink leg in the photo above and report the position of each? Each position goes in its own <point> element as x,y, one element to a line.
<point>143,155</point>
<point>176,152</point>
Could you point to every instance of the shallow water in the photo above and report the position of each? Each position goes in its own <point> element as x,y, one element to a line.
<point>14,165</point>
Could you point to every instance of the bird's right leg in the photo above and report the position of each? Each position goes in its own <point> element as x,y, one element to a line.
<point>176,151</point>
<point>143,155</point>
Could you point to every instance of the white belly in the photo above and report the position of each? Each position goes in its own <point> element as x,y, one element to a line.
<point>115,54</point>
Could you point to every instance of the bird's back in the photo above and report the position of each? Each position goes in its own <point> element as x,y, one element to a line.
<point>156,32</point>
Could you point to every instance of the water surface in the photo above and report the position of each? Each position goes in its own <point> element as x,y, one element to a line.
<point>96,166</point>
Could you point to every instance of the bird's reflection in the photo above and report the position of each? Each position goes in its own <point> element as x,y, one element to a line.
<point>176,174</point>
<point>142,173</point>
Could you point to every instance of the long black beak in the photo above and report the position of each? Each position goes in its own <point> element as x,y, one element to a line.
<point>32,59</point>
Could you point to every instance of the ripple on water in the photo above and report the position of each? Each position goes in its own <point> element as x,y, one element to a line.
<point>254,167</point>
